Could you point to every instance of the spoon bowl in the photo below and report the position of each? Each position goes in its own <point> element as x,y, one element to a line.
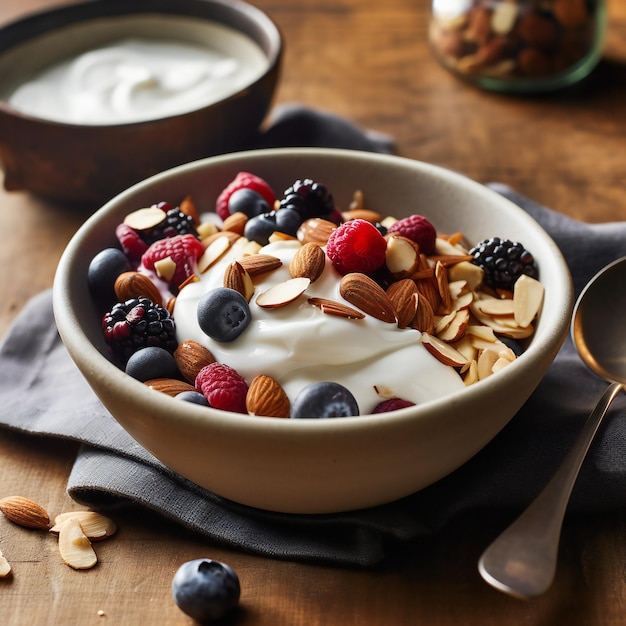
<point>522,560</point>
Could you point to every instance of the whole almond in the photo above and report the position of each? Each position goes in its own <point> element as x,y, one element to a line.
<point>316,230</point>
<point>403,294</point>
<point>368,296</point>
<point>235,222</point>
<point>308,262</point>
<point>258,264</point>
<point>25,512</point>
<point>266,397</point>
<point>191,356</point>
<point>134,284</point>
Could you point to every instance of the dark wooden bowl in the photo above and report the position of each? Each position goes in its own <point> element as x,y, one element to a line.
<point>88,164</point>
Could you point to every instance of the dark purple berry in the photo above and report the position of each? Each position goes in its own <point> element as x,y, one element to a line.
<point>248,201</point>
<point>195,397</point>
<point>260,227</point>
<point>151,362</point>
<point>309,199</point>
<point>176,223</point>
<point>503,262</point>
<point>288,221</point>
<point>135,324</point>
<point>206,590</point>
<point>223,314</point>
<point>104,268</point>
<point>324,400</point>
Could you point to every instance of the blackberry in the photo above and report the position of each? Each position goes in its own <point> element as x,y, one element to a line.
<point>503,262</point>
<point>135,324</point>
<point>176,223</point>
<point>309,199</point>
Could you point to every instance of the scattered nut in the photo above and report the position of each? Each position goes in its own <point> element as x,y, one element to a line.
<point>5,567</point>
<point>25,512</point>
<point>266,397</point>
<point>95,526</point>
<point>74,546</point>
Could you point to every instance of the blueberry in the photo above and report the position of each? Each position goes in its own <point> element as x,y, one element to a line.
<point>223,314</point>
<point>248,201</point>
<point>288,221</point>
<point>151,362</point>
<point>205,589</point>
<point>104,268</point>
<point>195,397</point>
<point>324,400</point>
<point>260,227</point>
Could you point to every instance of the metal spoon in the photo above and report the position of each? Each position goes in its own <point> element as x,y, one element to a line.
<point>522,560</point>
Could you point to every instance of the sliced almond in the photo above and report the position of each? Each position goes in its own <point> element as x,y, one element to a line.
<point>237,278</point>
<point>231,236</point>
<point>282,294</point>
<point>458,288</point>
<point>5,567</point>
<point>308,262</point>
<point>446,247</point>
<point>134,284</point>
<point>401,256</point>
<point>145,219</point>
<point>213,252</point>
<point>207,230</point>
<point>471,374</point>
<point>441,274</point>
<point>266,397</point>
<point>442,351</point>
<point>75,548</point>
<point>169,386</point>
<point>455,331</point>
<point>278,236</point>
<point>95,525</point>
<point>362,292</point>
<point>191,356</point>
<point>495,306</point>
<point>486,360</point>
<point>466,348</point>
<point>259,264</point>
<point>338,309</point>
<point>316,230</point>
<point>527,299</point>
<point>448,260</point>
<point>464,301</point>
<point>468,272</point>
<point>25,512</point>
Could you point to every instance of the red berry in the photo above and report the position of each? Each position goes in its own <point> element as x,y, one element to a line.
<point>243,180</point>
<point>132,244</point>
<point>184,250</point>
<point>356,246</point>
<point>223,387</point>
<point>418,229</point>
<point>392,404</point>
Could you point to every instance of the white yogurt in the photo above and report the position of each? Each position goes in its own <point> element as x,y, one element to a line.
<point>134,80</point>
<point>298,344</point>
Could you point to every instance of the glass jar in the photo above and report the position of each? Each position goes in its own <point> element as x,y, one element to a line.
<point>521,46</point>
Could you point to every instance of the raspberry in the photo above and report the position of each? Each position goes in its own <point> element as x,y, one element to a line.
<point>503,262</point>
<point>132,244</point>
<point>243,180</point>
<point>135,324</point>
<point>392,404</point>
<point>418,229</point>
<point>223,387</point>
<point>184,250</point>
<point>356,246</point>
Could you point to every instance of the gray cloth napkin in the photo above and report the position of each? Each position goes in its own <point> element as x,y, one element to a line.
<point>42,393</point>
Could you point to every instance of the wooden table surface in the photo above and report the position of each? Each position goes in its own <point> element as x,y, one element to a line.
<point>369,61</point>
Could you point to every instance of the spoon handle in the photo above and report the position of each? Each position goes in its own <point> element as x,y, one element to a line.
<point>522,560</point>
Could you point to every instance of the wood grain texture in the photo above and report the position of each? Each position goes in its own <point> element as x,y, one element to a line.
<point>368,61</point>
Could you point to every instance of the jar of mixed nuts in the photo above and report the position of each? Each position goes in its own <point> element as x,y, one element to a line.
<point>521,46</point>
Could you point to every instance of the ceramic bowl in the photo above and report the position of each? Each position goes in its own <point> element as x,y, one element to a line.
<point>88,164</point>
<point>331,465</point>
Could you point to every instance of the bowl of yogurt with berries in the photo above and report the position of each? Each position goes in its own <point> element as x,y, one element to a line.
<point>312,330</point>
